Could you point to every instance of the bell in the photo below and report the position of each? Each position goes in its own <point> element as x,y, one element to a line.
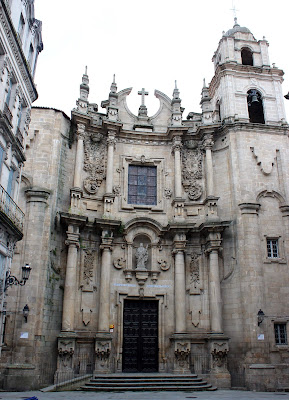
<point>254,97</point>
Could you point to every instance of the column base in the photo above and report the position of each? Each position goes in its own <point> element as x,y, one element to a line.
<point>65,360</point>
<point>219,348</point>
<point>103,363</point>
<point>182,352</point>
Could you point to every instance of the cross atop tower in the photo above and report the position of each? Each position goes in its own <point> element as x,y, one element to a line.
<point>234,11</point>
<point>143,93</point>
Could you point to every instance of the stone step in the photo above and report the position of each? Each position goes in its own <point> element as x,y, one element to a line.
<point>104,384</point>
<point>148,388</point>
<point>145,382</point>
<point>149,380</point>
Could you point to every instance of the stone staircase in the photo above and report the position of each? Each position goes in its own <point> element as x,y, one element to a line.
<point>146,382</point>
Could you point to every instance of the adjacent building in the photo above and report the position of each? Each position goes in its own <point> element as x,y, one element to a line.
<point>159,243</point>
<point>20,44</point>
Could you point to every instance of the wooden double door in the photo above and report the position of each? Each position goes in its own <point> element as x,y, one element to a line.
<point>140,336</point>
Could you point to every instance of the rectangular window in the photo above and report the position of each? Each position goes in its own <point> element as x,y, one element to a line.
<point>280,334</point>
<point>142,185</point>
<point>272,248</point>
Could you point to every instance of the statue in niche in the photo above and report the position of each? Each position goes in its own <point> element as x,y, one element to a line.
<point>141,256</point>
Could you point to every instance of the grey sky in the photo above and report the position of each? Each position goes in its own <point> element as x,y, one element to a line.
<point>146,44</point>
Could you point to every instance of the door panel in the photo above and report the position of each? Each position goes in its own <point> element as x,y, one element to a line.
<point>140,336</point>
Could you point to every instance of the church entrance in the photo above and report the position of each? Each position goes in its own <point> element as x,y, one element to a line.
<point>140,336</point>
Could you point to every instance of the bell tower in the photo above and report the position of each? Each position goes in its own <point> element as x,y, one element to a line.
<point>245,87</point>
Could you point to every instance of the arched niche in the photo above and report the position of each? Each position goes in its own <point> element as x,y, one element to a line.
<point>145,232</point>
<point>142,252</point>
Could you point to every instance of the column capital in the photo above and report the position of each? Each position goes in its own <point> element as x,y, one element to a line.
<point>106,240</point>
<point>72,239</point>
<point>179,243</point>
<point>208,142</point>
<point>213,242</point>
<point>80,131</point>
<point>111,138</point>
<point>177,144</point>
<point>249,208</point>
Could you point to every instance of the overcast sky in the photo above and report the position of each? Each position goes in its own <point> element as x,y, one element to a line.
<point>146,44</point>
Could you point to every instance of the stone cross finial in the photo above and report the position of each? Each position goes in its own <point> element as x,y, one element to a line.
<point>234,12</point>
<point>143,93</point>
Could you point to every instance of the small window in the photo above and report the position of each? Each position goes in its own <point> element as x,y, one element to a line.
<point>272,248</point>
<point>280,334</point>
<point>247,56</point>
<point>255,107</point>
<point>142,185</point>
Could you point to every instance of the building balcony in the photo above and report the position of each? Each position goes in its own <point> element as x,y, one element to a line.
<point>7,113</point>
<point>19,137</point>
<point>10,213</point>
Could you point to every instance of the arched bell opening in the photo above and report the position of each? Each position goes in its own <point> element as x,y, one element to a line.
<point>247,56</point>
<point>255,107</point>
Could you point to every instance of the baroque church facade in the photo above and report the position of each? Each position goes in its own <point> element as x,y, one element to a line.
<point>159,244</point>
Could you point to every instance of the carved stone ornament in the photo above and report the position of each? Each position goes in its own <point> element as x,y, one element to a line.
<point>168,193</point>
<point>119,263</point>
<point>65,354</point>
<point>94,162</point>
<point>163,264</point>
<point>116,190</point>
<point>87,276</point>
<point>182,352</point>
<point>192,162</point>
<point>102,350</point>
<point>219,356</point>
<point>195,270</point>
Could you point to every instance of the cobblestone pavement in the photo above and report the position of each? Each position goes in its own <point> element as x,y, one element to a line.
<point>78,395</point>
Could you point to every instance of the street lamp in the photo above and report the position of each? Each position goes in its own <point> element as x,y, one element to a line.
<point>260,317</point>
<point>12,280</point>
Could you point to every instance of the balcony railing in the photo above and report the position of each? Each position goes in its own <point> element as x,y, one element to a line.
<point>10,208</point>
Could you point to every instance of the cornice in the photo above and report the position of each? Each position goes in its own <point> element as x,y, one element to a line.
<point>17,51</point>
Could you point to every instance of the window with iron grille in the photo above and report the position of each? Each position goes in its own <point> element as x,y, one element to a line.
<point>142,185</point>
<point>272,248</point>
<point>280,333</point>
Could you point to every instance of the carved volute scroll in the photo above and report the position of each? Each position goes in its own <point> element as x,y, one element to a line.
<point>192,171</point>
<point>95,149</point>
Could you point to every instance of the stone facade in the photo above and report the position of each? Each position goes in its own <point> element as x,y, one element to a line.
<point>20,44</point>
<point>160,236</point>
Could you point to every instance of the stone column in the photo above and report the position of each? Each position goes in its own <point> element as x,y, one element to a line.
<point>180,283</point>
<point>103,337</point>
<point>104,287</point>
<point>251,271</point>
<point>70,279</point>
<point>177,146</point>
<point>109,171</point>
<point>213,246</point>
<point>207,145</point>
<point>77,182</point>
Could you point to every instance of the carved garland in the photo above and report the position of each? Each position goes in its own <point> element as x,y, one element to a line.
<point>192,161</point>
<point>94,162</point>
